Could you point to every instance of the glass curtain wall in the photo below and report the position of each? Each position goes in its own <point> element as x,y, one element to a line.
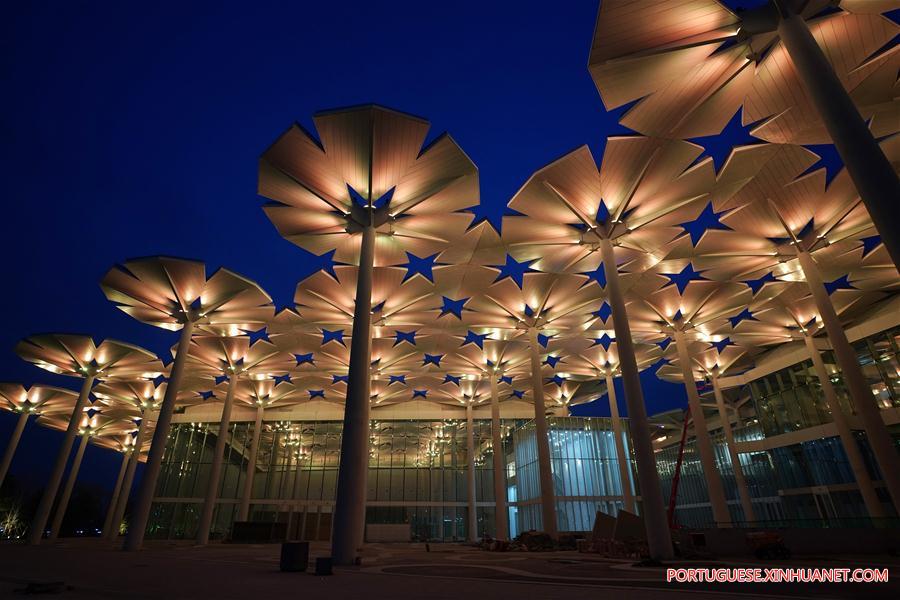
<point>417,475</point>
<point>585,473</point>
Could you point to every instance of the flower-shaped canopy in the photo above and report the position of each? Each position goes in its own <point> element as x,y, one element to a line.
<point>95,422</point>
<point>81,356</point>
<point>167,292</point>
<point>239,356</point>
<point>708,359</point>
<point>695,306</point>
<point>144,396</point>
<point>37,399</point>
<point>692,64</point>
<point>267,392</point>
<point>644,191</point>
<point>368,167</point>
<point>588,360</point>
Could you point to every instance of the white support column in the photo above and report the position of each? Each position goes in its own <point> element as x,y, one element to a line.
<point>501,518</point>
<point>67,491</point>
<point>244,510</point>
<point>43,510</point>
<point>12,445</point>
<point>295,494</point>
<point>349,524</point>
<point>656,523</point>
<point>848,441</point>
<point>117,490</point>
<point>472,532</point>
<point>701,434</point>
<point>215,471</point>
<point>141,514</point>
<point>880,440</point>
<point>871,171</point>
<point>542,440</point>
<point>739,479</point>
<point>621,457</point>
<point>122,502</point>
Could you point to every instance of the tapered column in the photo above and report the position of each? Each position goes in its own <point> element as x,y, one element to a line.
<point>295,495</point>
<point>542,440</point>
<point>244,510</point>
<point>621,456</point>
<point>67,490</point>
<point>114,499</point>
<point>869,168</point>
<point>122,502</point>
<point>215,470</point>
<point>848,441</point>
<point>879,438</point>
<point>12,445</point>
<point>501,518</point>
<point>701,434</point>
<point>135,538</point>
<point>472,532</point>
<point>659,538</point>
<point>43,510</point>
<point>739,479</point>
<point>350,504</point>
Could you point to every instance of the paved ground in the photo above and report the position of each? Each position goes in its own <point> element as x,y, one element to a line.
<point>94,569</point>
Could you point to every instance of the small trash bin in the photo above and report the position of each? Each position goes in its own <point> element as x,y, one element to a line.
<point>294,556</point>
<point>323,565</point>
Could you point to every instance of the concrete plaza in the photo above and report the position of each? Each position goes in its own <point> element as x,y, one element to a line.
<point>90,568</point>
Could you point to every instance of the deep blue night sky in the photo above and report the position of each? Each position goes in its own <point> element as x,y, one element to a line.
<point>132,130</point>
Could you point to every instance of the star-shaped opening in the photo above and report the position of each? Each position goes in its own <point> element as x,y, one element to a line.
<point>706,220</point>
<point>757,284</point>
<point>316,394</point>
<point>303,359</point>
<point>448,378</point>
<point>829,159</point>
<point>340,379</point>
<point>397,379</point>
<point>598,275</point>
<point>841,283</point>
<point>453,307</point>
<point>517,394</point>
<point>603,313</point>
<point>359,199</point>
<point>604,340</point>
<point>543,339</point>
<point>258,335</point>
<point>475,338</point>
<point>420,266</point>
<point>559,380</point>
<point>870,244</point>
<point>744,315</point>
<point>404,336</point>
<point>514,270</point>
<point>721,344</point>
<point>552,360</point>
<point>432,359</point>
<point>682,279</point>
<point>420,394</point>
<point>333,336</point>
<point>719,146</point>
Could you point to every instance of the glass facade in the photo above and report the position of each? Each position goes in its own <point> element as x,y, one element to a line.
<point>417,469</point>
<point>585,473</point>
<point>791,399</point>
<point>417,475</point>
<point>808,483</point>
